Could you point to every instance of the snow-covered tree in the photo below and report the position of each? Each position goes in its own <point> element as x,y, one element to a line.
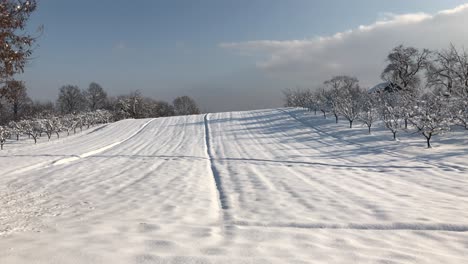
<point>431,116</point>
<point>4,135</point>
<point>369,113</point>
<point>32,128</point>
<point>392,112</point>
<point>460,111</point>
<point>52,125</point>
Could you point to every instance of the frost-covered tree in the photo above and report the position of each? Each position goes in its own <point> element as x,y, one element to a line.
<point>369,113</point>
<point>95,97</point>
<point>460,111</point>
<point>185,105</point>
<point>32,128</point>
<point>52,125</point>
<point>70,99</point>
<point>344,95</point>
<point>404,65</point>
<point>392,112</point>
<point>4,135</point>
<point>431,116</point>
<point>15,129</point>
<point>131,106</point>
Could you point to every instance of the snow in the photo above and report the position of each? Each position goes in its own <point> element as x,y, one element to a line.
<point>265,186</point>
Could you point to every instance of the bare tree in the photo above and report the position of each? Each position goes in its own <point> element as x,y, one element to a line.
<point>405,63</point>
<point>95,97</point>
<point>70,100</point>
<point>15,94</point>
<point>441,72</point>
<point>185,105</point>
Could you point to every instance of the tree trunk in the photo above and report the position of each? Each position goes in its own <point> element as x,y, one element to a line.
<point>350,124</point>
<point>324,114</point>
<point>394,135</point>
<point>406,123</point>
<point>58,135</point>
<point>336,118</point>
<point>428,140</point>
<point>369,126</point>
<point>17,137</point>
<point>1,146</point>
<point>315,111</point>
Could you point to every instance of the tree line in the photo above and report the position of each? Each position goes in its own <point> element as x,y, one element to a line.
<point>423,91</point>
<point>76,108</point>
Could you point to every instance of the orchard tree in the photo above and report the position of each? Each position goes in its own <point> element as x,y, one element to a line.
<point>392,112</point>
<point>460,111</point>
<point>345,97</point>
<point>432,116</point>
<point>369,113</point>
<point>16,45</point>
<point>4,134</point>
<point>185,105</point>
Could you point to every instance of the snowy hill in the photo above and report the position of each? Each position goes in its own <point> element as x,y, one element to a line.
<point>266,186</point>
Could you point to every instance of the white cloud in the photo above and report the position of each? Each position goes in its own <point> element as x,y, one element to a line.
<point>361,51</point>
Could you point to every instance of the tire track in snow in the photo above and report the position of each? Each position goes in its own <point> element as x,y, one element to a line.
<point>215,172</point>
<point>73,158</point>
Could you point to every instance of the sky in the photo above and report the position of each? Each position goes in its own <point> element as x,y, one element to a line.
<point>228,55</point>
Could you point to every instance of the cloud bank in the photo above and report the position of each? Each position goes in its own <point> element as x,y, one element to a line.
<point>360,52</point>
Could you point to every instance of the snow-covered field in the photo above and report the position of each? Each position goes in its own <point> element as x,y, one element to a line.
<point>266,186</point>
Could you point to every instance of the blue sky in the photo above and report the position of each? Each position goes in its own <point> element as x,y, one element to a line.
<point>174,47</point>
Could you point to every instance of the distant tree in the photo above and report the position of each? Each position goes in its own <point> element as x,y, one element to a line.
<point>95,97</point>
<point>185,105</point>
<point>163,108</point>
<point>344,93</point>
<point>441,72</point>
<point>15,95</point>
<point>15,43</point>
<point>405,63</point>
<point>70,99</point>
<point>132,105</point>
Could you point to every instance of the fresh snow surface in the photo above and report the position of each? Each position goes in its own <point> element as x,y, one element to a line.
<point>266,186</point>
